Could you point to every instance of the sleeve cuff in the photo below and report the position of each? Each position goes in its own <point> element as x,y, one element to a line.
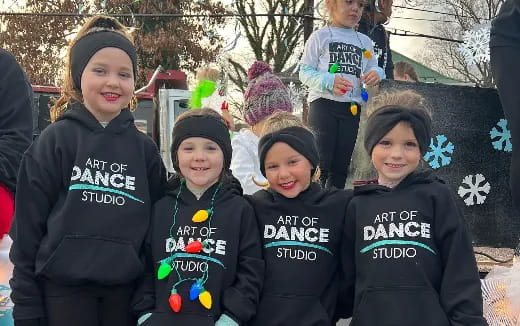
<point>225,320</point>
<point>143,318</point>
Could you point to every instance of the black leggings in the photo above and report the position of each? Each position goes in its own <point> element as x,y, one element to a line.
<point>88,305</point>
<point>336,130</point>
<point>505,66</point>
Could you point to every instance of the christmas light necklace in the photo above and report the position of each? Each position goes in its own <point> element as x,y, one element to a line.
<point>197,289</point>
<point>334,68</point>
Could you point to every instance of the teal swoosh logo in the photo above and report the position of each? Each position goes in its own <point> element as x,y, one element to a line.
<point>297,244</point>
<point>187,255</point>
<point>396,242</point>
<point>98,188</point>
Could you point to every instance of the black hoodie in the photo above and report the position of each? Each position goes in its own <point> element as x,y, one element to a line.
<point>301,243</point>
<point>379,35</point>
<point>505,29</point>
<point>83,206</point>
<point>234,257</point>
<point>410,255</point>
<point>16,101</point>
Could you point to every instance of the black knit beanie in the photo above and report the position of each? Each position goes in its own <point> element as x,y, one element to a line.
<point>386,118</point>
<point>205,126</point>
<point>89,44</point>
<point>300,139</point>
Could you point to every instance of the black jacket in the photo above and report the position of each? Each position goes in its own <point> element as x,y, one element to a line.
<point>83,206</point>
<point>301,243</point>
<point>16,102</point>
<point>233,256</point>
<point>410,255</point>
<point>505,28</point>
<point>380,36</point>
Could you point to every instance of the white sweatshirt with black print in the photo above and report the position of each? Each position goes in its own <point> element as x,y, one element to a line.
<point>330,45</point>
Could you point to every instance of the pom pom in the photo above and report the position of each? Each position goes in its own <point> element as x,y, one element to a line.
<point>258,68</point>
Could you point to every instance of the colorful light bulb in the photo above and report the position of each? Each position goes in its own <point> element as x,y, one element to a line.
<point>175,301</point>
<point>364,94</point>
<point>334,68</point>
<point>201,215</point>
<point>353,108</point>
<point>193,247</point>
<point>195,290</point>
<point>205,299</point>
<point>163,271</point>
<point>366,53</point>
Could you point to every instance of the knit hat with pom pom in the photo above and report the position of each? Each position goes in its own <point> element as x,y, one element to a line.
<point>265,94</point>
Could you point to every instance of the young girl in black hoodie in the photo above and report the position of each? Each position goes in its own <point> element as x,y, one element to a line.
<point>85,192</point>
<point>203,249</point>
<point>301,226</point>
<point>407,253</point>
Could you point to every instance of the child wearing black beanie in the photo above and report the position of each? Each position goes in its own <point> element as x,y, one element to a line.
<point>407,256</point>
<point>203,248</point>
<point>301,226</point>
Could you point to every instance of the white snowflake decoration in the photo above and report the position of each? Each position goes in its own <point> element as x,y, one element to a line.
<point>477,190</point>
<point>297,94</point>
<point>476,44</point>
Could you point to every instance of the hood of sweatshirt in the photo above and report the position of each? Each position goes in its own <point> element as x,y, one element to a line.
<point>414,178</point>
<point>80,114</point>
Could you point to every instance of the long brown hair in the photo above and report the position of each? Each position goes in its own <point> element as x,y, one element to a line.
<point>68,91</point>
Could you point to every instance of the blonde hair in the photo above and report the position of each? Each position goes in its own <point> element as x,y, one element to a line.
<point>330,6</point>
<point>406,98</point>
<point>280,120</point>
<point>208,73</point>
<point>401,68</point>
<point>68,91</point>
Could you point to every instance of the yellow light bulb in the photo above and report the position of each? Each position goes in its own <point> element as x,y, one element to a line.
<point>200,216</point>
<point>353,109</point>
<point>205,299</point>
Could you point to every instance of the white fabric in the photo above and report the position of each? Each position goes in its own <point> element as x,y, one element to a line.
<point>245,162</point>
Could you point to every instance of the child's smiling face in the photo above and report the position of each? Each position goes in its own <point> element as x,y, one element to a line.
<point>201,162</point>
<point>346,13</point>
<point>288,172</point>
<point>396,155</point>
<point>107,83</point>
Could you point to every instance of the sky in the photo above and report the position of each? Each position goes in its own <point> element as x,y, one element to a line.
<point>409,46</point>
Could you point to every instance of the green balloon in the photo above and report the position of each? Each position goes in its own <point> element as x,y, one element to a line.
<point>164,271</point>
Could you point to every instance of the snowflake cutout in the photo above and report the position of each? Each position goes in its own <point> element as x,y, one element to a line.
<point>477,190</point>
<point>296,94</point>
<point>476,44</point>
<point>504,142</point>
<point>437,156</point>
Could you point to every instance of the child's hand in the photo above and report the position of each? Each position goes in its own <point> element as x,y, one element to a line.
<point>371,78</point>
<point>341,85</point>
